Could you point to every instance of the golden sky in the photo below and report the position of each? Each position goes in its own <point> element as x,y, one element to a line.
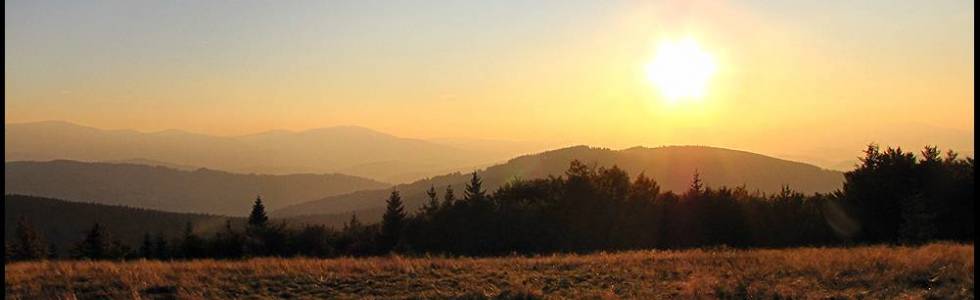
<point>790,77</point>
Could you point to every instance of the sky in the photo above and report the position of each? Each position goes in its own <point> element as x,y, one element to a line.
<point>803,79</point>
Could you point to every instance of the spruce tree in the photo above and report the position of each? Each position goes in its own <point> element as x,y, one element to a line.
<point>233,244</point>
<point>392,223</point>
<point>430,207</point>
<point>474,190</point>
<point>449,198</point>
<point>258,217</point>
<point>257,229</point>
<point>697,186</point>
<point>191,246</point>
<point>354,224</point>
<point>94,246</point>
<point>29,245</point>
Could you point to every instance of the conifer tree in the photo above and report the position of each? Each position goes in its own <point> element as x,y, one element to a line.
<point>430,207</point>
<point>29,245</point>
<point>474,190</point>
<point>392,223</point>
<point>449,198</point>
<point>94,246</point>
<point>233,244</point>
<point>697,186</point>
<point>258,217</point>
<point>191,246</point>
<point>257,230</point>
<point>354,224</point>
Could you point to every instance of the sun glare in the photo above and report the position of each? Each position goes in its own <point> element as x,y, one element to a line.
<point>680,70</point>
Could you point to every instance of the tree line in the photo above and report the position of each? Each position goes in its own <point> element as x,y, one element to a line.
<point>892,196</point>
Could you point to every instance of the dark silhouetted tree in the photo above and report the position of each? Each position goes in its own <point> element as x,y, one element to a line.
<point>314,241</point>
<point>697,186</point>
<point>449,198</point>
<point>94,246</point>
<point>433,204</point>
<point>257,231</point>
<point>28,244</point>
<point>191,245</point>
<point>229,243</point>
<point>392,223</point>
<point>474,190</point>
<point>258,217</point>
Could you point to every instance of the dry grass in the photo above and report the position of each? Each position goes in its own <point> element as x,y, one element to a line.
<point>931,271</point>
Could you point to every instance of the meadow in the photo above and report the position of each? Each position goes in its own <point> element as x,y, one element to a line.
<point>937,270</point>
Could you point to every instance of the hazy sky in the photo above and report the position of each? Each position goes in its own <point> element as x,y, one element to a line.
<point>790,75</point>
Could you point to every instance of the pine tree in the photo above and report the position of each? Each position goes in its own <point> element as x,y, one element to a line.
<point>28,245</point>
<point>94,246</point>
<point>257,230</point>
<point>474,190</point>
<point>191,246</point>
<point>449,198</point>
<point>232,246</point>
<point>258,217</point>
<point>392,223</point>
<point>697,186</point>
<point>430,207</point>
<point>354,224</point>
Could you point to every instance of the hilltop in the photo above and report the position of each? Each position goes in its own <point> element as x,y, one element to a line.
<point>672,167</point>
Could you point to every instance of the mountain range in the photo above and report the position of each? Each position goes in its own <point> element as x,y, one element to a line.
<point>302,174</point>
<point>349,150</point>
<point>164,188</point>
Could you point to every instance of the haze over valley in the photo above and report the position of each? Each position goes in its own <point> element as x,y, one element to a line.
<point>348,150</point>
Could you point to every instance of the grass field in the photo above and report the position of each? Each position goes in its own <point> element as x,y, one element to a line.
<point>876,272</point>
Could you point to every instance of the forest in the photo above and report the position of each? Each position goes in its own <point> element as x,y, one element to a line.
<point>891,197</point>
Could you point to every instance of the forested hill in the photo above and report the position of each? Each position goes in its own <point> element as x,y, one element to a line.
<point>64,223</point>
<point>199,191</point>
<point>672,167</point>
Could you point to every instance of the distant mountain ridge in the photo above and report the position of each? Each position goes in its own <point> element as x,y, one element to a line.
<point>347,149</point>
<point>163,188</point>
<point>671,166</point>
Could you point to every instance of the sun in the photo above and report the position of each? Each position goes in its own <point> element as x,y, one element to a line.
<point>681,70</point>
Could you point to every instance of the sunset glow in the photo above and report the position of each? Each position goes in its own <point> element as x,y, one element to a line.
<point>681,70</point>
